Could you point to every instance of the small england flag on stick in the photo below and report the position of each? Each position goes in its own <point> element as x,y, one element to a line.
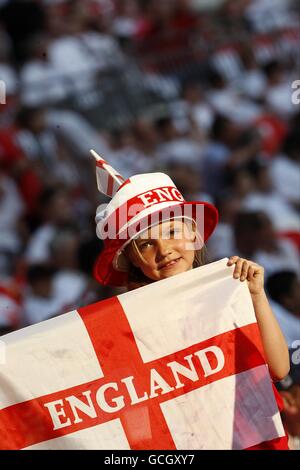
<point>108,179</point>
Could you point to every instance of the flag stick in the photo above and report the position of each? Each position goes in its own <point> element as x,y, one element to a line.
<point>96,156</point>
<point>106,167</point>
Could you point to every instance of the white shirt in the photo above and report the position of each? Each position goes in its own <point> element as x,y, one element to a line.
<point>285,174</point>
<point>266,15</point>
<point>252,83</point>
<point>283,216</point>
<point>128,161</point>
<point>221,243</point>
<point>203,115</point>
<point>38,247</point>
<point>11,210</point>
<point>289,323</point>
<point>287,257</point>
<point>229,103</point>
<point>279,98</point>
<point>180,150</point>
<point>68,288</point>
<point>37,309</point>
<point>42,83</point>
<point>80,57</point>
<point>9,77</point>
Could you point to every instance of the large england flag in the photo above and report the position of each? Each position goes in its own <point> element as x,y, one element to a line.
<point>177,364</point>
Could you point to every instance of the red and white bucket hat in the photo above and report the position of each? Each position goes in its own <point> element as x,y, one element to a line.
<point>138,203</point>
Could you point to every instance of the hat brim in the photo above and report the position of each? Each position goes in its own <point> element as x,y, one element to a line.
<point>106,274</point>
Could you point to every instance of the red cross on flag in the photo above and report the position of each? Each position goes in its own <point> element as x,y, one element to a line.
<point>173,365</point>
<point>108,179</point>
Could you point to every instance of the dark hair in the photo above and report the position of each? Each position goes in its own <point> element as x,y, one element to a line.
<point>87,253</point>
<point>270,67</point>
<point>214,77</point>
<point>248,221</point>
<point>291,144</point>
<point>49,194</point>
<point>37,272</point>
<point>25,114</point>
<point>162,123</point>
<point>280,283</point>
<point>218,127</point>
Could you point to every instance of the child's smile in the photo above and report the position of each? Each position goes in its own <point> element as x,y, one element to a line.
<point>164,250</point>
<point>170,264</point>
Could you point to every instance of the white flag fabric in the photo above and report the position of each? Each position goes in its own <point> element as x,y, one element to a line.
<point>108,179</point>
<point>177,364</point>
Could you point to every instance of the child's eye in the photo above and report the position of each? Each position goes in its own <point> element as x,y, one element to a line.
<point>144,245</point>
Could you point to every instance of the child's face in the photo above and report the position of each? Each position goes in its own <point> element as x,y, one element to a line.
<point>166,250</point>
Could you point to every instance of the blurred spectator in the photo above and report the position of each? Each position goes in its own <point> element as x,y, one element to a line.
<point>246,227</point>
<point>266,198</point>
<point>252,81</point>
<point>89,52</point>
<point>11,214</point>
<point>221,243</point>
<point>285,170</point>
<point>129,153</point>
<point>56,212</point>
<point>283,288</point>
<point>199,109</point>
<point>256,239</point>
<point>289,389</point>
<point>126,21</point>
<point>40,302</point>
<point>205,5</point>
<point>9,78</point>
<point>164,36</point>
<point>32,16</point>
<point>228,101</point>
<point>15,163</point>
<point>10,310</point>
<point>77,133</point>
<point>69,284</point>
<point>37,141</point>
<point>175,147</point>
<point>188,181</point>
<point>89,250</point>
<point>44,143</point>
<point>266,15</point>
<point>229,147</point>
<point>278,90</point>
<point>272,131</point>
<point>147,139</point>
<point>41,82</point>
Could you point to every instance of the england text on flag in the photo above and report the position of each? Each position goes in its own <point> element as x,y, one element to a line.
<point>169,366</point>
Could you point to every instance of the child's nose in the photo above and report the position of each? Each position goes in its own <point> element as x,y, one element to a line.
<point>163,247</point>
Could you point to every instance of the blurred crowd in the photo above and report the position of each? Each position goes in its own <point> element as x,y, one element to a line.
<point>199,89</point>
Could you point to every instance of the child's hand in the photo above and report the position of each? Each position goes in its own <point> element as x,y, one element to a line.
<point>246,269</point>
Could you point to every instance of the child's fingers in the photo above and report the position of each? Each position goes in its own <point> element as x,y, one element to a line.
<point>232,260</point>
<point>251,272</point>
<point>238,268</point>
<point>244,270</point>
